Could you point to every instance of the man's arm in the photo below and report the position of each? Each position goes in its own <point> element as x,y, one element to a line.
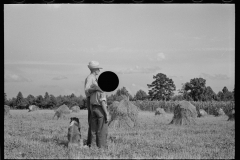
<point>90,86</point>
<point>93,88</point>
<point>103,101</point>
<point>104,106</point>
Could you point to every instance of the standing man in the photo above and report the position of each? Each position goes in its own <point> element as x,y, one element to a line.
<point>98,99</point>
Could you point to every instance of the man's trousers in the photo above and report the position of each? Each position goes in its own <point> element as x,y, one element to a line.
<point>97,126</point>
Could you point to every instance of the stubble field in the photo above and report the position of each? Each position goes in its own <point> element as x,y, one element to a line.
<point>35,135</point>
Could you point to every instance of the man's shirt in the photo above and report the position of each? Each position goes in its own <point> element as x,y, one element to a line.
<point>91,79</point>
<point>97,98</point>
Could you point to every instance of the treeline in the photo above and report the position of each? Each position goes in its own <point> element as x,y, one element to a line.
<point>161,89</point>
<point>46,102</point>
<point>50,101</point>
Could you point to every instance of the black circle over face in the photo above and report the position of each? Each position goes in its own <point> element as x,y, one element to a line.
<point>108,81</point>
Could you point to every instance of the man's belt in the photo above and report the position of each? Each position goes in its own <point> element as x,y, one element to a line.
<point>95,105</point>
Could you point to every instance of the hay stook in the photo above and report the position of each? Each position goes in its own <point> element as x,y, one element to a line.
<point>184,114</point>
<point>62,111</point>
<point>202,113</point>
<point>75,109</point>
<point>160,111</point>
<point>32,108</point>
<point>124,115</point>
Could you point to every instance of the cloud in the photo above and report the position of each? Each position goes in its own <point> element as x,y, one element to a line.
<point>59,78</point>
<point>216,77</point>
<point>133,85</point>
<point>13,77</point>
<point>160,56</point>
<point>138,69</point>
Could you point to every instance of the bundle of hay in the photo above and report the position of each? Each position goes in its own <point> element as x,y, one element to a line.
<point>231,115</point>
<point>75,109</point>
<point>6,110</point>
<point>218,112</point>
<point>160,111</point>
<point>62,111</point>
<point>202,113</point>
<point>32,108</point>
<point>184,113</point>
<point>221,112</point>
<point>124,114</point>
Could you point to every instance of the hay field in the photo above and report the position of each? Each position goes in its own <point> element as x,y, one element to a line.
<point>35,135</point>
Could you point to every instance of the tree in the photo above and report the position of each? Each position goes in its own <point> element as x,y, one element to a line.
<point>220,96</point>
<point>21,102</point>
<point>30,99</point>
<point>162,87</point>
<point>72,96</point>
<point>46,101</point>
<point>39,101</point>
<point>12,102</point>
<point>225,90</point>
<point>196,88</point>
<point>209,94</point>
<point>19,98</point>
<point>227,96</point>
<point>122,91</point>
<point>46,97</point>
<point>53,101</point>
<point>140,95</point>
<point>183,94</point>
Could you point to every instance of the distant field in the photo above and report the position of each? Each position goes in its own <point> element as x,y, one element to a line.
<point>36,135</point>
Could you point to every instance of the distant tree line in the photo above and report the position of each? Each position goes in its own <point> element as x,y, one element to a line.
<point>162,88</point>
<point>46,102</point>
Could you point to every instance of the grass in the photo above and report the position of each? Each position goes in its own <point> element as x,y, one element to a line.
<point>29,135</point>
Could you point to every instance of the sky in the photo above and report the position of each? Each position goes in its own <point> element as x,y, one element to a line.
<point>47,47</point>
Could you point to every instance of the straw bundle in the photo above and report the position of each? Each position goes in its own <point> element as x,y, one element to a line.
<point>124,114</point>
<point>184,113</point>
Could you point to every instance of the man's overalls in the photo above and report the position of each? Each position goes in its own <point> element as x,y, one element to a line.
<point>97,123</point>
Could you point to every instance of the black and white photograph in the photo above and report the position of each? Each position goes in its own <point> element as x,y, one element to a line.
<point>119,81</point>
